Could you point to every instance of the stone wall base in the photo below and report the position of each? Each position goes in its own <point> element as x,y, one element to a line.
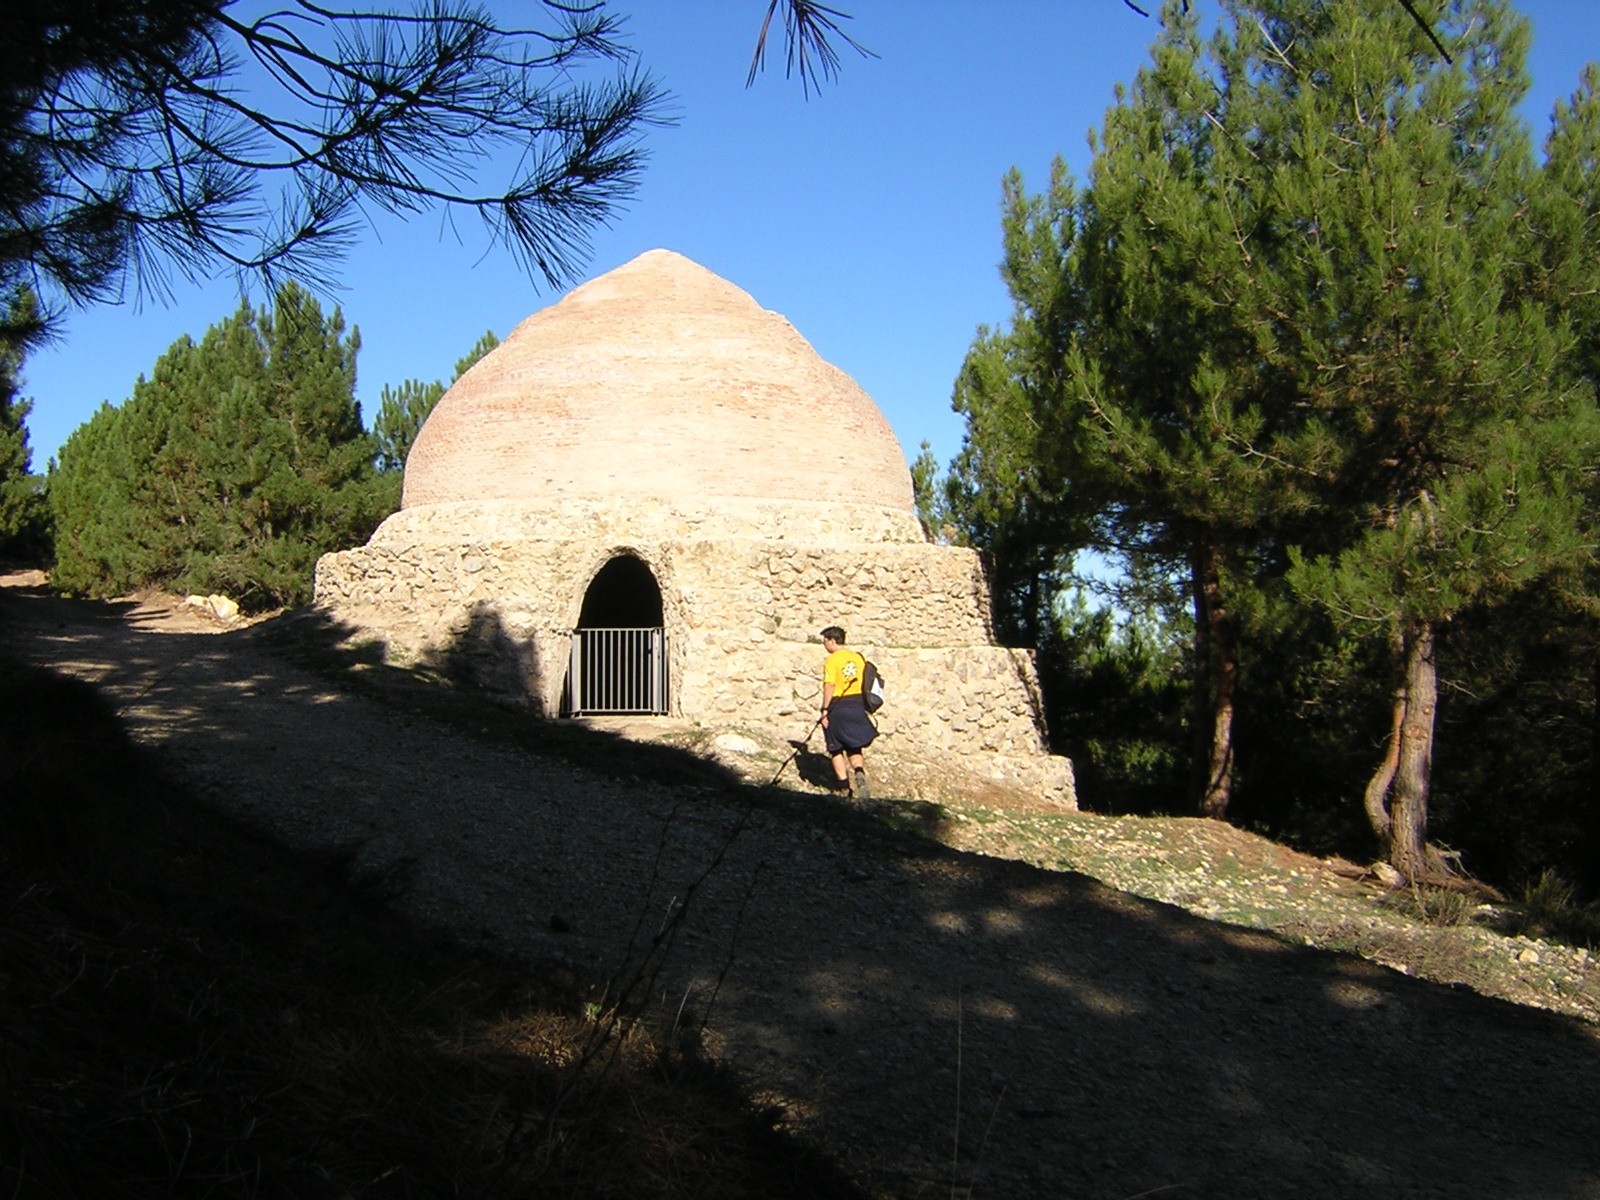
<point>741,617</point>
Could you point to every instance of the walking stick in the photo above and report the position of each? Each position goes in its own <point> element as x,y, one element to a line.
<point>795,753</point>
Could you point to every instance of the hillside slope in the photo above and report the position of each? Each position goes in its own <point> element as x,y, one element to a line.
<point>939,998</point>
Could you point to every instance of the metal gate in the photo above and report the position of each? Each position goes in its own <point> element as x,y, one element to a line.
<point>617,671</point>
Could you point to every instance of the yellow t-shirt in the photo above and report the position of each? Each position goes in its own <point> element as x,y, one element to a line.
<point>844,669</point>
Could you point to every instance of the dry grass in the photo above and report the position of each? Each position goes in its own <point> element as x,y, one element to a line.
<point>1535,952</point>
<point>188,1010</point>
<point>1549,908</point>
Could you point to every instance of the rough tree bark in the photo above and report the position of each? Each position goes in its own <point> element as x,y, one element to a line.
<point>1217,664</point>
<point>1408,811</point>
<point>1376,798</point>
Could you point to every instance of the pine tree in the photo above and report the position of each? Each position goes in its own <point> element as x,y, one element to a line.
<point>22,509</point>
<point>1302,355</point>
<point>1440,425</point>
<point>1160,388</point>
<point>1001,493</point>
<point>100,534</point>
<point>1361,388</point>
<point>927,492</point>
<point>128,148</point>
<point>232,468</point>
<point>402,410</point>
<point>1567,221</point>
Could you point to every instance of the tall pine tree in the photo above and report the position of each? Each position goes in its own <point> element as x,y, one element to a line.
<point>232,468</point>
<point>23,518</point>
<point>1153,387</point>
<point>1444,437</point>
<point>1303,341</point>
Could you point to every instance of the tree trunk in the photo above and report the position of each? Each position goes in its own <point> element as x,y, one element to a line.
<point>1594,740</point>
<point>1376,798</point>
<point>1200,724</point>
<point>1222,659</point>
<point>1408,834</point>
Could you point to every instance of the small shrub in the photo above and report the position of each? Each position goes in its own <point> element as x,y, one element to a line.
<point>1549,908</point>
<point>1444,907</point>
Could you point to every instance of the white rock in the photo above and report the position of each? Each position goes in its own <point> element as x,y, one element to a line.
<point>1387,875</point>
<point>735,743</point>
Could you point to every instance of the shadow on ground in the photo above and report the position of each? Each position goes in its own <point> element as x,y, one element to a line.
<point>940,1021</point>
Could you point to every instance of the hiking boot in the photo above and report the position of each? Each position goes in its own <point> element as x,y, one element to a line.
<point>863,792</point>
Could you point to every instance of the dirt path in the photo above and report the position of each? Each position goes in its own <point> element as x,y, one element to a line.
<point>947,1024</point>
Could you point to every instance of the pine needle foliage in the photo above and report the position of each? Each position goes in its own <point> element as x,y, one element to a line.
<point>143,138</point>
<point>23,517</point>
<point>239,461</point>
<point>403,409</point>
<point>1318,332</point>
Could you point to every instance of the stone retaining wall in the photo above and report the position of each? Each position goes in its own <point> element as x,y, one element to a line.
<point>741,616</point>
<point>805,523</point>
<point>718,596</point>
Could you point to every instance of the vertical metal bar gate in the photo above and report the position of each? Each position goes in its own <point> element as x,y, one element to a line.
<point>617,671</point>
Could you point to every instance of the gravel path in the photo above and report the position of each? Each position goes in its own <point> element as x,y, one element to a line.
<point>946,1023</point>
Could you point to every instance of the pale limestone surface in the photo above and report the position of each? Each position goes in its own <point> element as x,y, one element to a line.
<point>583,396</point>
<point>659,412</point>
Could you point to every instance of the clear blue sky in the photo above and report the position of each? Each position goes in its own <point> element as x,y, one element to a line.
<point>868,215</point>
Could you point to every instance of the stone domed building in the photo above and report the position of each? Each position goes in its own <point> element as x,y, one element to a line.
<point>649,498</point>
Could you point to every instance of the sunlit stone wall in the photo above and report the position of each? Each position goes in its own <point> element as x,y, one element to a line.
<point>741,615</point>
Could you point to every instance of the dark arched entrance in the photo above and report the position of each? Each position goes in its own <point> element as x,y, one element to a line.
<point>619,650</point>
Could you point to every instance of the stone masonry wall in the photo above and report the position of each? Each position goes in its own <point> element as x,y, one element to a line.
<point>801,522</point>
<point>741,615</point>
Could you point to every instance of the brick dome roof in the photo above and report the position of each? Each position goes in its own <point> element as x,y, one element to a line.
<point>656,380</point>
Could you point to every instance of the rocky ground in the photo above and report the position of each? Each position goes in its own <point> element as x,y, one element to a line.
<point>982,999</point>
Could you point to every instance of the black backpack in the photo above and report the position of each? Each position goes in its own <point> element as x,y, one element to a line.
<point>871,687</point>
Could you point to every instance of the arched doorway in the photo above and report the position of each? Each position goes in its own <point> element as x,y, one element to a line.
<point>619,650</point>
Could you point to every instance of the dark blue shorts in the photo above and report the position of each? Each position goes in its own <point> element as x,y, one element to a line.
<point>848,727</point>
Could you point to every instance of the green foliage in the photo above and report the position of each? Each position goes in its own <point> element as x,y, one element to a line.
<point>1118,686</point>
<point>232,468</point>
<point>1549,907</point>
<point>24,523</point>
<point>1565,223</point>
<point>1441,906</point>
<point>1516,787</point>
<point>1439,425</point>
<point>1005,492</point>
<point>129,147</point>
<point>925,490</point>
<point>1319,335</point>
<point>1311,727</point>
<point>1458,465</point>
<point>402,410</point>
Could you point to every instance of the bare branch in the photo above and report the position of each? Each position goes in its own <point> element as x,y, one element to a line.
<point>1426,28</point>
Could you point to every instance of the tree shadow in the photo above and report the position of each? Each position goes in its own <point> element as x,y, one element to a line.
<point>130,933</point>
<point>483,654</point>
<point>1039,1034</point>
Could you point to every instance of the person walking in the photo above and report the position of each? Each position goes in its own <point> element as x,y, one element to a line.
<point>847,730</point>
